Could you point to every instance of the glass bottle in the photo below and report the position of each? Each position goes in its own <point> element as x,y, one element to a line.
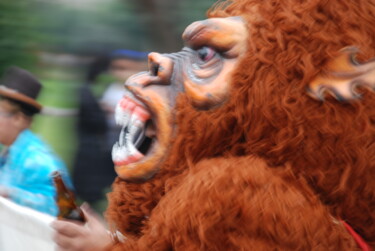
<point>68,209</point>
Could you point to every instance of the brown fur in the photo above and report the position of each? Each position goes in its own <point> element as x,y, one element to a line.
<point>329,147</point>
<point>233,211</point>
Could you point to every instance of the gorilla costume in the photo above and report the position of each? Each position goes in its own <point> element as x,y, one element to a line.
<point>257,135</point>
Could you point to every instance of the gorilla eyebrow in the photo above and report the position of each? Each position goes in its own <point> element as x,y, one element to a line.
<point>221,34</point>
<point>200,33</point>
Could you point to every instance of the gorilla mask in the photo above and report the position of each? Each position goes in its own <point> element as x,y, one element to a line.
<point>201,71</point>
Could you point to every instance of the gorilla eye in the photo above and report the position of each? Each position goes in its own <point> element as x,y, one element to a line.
<point>206,53</point>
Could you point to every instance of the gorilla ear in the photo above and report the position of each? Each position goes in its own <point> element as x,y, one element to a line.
<point>343,76</point>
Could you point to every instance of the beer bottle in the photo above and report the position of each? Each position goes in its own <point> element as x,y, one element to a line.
<point>65,201</point>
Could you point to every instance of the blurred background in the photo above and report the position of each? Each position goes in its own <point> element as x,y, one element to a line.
<point>58,40</point>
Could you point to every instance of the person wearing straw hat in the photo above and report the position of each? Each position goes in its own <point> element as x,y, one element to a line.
<point>26,162</point>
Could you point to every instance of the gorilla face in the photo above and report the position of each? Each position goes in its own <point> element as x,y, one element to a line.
<point>201,71</point>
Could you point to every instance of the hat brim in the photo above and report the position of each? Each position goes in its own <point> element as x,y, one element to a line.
<point>12,94</point>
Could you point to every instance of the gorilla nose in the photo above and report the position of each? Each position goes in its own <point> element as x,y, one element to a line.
<point>160,67</point>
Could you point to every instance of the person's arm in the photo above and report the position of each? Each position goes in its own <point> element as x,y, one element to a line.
<point>40,199</point>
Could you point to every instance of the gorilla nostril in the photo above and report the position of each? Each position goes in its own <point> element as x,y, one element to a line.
<point>160,67</point>
<point>155,69</point>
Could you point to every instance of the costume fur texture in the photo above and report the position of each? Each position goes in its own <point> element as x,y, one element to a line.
<point>272,168</point>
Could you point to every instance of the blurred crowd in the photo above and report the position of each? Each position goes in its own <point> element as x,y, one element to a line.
<point>93,171</point>
<point>27,162</point>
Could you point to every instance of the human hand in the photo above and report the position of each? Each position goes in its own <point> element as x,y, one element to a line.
<point>75,236</point>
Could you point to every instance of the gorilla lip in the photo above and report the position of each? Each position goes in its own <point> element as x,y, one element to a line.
<point>137,132</point>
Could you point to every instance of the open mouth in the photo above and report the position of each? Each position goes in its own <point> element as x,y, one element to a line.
<point>137,135</point>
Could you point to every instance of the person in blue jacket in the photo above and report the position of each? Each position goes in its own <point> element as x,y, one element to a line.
<point>26,162</point>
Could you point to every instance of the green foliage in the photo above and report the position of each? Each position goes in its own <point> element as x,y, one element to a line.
<point>29,26</point>
<point>90,30</point>
<point>19,39</point>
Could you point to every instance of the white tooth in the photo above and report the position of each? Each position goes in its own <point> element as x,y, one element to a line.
<point>135,122</point>
<point>122,134</point>
<point>115,152</point>
<point>118,114</point>
<point>129,144</point>
<point>119,153</point>
<point>136,129</point>
<point>134,125</point>
<point>121,116</point>
<point>131,148</point>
